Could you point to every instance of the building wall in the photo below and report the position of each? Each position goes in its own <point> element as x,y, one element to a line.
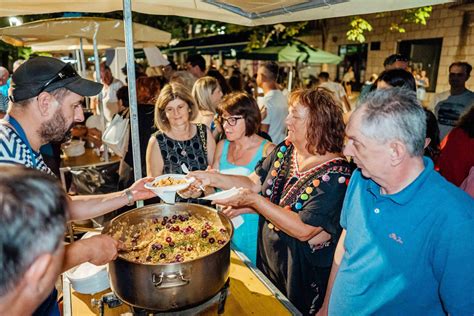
<point>456,27</point>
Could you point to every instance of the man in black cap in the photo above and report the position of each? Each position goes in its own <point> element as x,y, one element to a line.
<point>46,101</point>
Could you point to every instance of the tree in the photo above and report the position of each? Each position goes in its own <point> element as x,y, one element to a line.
<point>358,25</point>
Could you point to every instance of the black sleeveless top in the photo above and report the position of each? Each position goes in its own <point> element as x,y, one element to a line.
<point>192,152</point>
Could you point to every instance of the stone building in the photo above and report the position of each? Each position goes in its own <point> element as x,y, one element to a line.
<point>447,37</point>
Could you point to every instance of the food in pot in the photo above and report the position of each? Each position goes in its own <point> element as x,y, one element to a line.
<point>178,238</point>
<point>168,181</point>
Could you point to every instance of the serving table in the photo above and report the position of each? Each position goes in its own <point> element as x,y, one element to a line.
<point>250,293</point>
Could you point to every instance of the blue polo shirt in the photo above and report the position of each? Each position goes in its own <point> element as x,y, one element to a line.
<point>409,253</point>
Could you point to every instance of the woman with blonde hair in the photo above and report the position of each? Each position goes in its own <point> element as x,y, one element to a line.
<point>207,93</point>
<point>177,140</point>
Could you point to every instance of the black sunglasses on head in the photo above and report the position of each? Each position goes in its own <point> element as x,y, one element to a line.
<point>66,72</point>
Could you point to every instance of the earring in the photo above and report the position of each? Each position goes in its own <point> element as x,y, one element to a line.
<point>189,110</point>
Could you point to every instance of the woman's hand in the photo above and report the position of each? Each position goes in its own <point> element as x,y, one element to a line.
<point>202,178</point>
<point>244,197</point>
<point>234,212</point>
<point>191,192</point>
<point>320,240</point>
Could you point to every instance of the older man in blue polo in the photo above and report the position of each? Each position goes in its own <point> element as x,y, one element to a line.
<point>407,247</point>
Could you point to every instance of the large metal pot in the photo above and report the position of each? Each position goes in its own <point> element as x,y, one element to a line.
<point>173,286</point>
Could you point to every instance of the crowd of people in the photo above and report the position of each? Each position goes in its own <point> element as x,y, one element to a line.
<point>344,209</point>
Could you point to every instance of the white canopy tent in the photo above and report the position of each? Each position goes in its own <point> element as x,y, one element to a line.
<point>108,32</point>
<point>243,12</point>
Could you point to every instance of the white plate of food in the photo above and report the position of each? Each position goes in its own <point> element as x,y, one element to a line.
<point>169,183</point>
<point>221,194</point>
<point>166,186</point>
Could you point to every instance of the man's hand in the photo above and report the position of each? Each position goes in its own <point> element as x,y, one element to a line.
<point>101,249</point>
<point>139,191</point>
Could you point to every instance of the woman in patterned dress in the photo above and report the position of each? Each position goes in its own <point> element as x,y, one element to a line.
<point>178,140</point>
<point>298,191</point>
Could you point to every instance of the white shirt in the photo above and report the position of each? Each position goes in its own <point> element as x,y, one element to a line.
<point>109,97</point>
<point>277,111</point>
<point>336,88</point>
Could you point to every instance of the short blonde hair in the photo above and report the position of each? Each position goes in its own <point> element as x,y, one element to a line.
<point>170,92</point>
<point>202,91</point>
<point>184,77</point>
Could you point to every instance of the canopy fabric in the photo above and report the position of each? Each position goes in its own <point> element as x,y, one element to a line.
<point>109,32</point>
<point>243,12</point>
<point>70,44</point>
<point>293,52</point>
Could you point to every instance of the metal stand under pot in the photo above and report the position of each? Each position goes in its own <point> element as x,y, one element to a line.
<point>219,299</point>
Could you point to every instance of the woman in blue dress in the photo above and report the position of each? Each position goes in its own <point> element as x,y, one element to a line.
<point>239,154</point>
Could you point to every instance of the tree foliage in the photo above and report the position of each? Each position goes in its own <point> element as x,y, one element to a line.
<point>262,35</point>
<point>359,26</point>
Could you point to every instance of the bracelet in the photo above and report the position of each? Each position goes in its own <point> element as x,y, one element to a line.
<point>129,195</point>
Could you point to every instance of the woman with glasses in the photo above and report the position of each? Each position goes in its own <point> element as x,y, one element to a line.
<point>207,93</point>
<point>298,192</point>
<point>239,154</point>
<point>177,140</point>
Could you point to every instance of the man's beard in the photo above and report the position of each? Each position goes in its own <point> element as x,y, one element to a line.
<point>55,129</point>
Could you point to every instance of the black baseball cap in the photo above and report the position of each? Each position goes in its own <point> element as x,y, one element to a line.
<point>42,73</point>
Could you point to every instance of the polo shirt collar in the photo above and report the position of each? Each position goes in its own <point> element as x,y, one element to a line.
<point>409,192</point>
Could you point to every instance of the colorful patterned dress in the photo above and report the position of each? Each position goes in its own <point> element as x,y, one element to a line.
<point>299,271</point>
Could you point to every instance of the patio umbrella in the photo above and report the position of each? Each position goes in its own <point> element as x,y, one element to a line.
<point>292,52</point>
<point>108,32</point>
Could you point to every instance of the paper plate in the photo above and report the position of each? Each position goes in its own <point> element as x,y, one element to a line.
<point>168,193</point>
<point>221,194</point>
<point>169,188</point>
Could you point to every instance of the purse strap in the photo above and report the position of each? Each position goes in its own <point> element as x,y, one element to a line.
<point>202,136</point>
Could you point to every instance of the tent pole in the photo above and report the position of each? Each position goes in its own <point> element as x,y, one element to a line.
<point>83,67</point>
<point>100,103</point>
<point>290,79</point>
<point>132,94</point>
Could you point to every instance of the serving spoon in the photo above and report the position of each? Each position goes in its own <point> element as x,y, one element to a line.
<point>140,246</point>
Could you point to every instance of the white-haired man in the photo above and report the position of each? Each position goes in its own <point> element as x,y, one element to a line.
<point>407,245</point>
<point>33,215</point>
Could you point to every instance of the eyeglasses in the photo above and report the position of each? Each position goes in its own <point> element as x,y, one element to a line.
<point>231,120</point>
<point>66,72</point>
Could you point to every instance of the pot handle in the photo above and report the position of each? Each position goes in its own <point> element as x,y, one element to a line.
<point>168,280</point>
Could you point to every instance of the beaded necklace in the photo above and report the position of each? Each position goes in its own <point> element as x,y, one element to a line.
<point>297,188</point>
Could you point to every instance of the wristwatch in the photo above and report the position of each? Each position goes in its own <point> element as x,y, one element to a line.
<point>129,195</point>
